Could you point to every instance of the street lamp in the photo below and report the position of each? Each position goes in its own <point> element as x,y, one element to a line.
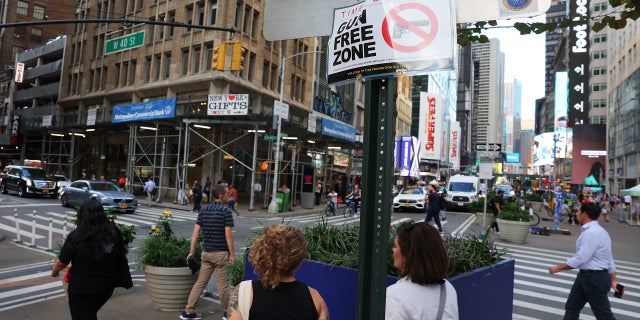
<point>273,205</point>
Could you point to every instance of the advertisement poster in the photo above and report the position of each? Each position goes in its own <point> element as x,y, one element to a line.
<point>430,128</point>
<point>589,155</point>
<point>378,38</point>
<point>454,146</point>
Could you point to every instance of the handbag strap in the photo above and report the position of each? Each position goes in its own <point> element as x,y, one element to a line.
<point>443,298</point>
<point>244,298</point>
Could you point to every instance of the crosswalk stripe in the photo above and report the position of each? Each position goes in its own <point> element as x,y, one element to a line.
<point>23,233</point>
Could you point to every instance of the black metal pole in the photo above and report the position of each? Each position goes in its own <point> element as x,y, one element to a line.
<point>377,169</point>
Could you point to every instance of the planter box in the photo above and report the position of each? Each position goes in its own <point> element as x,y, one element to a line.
<point>480,216</point>
<point>514,231</point>
<point>169,287</point>
<point>488,289</point>
<point>536,205</point>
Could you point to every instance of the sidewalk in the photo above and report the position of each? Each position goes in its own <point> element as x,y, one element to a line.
<point>259,211</point>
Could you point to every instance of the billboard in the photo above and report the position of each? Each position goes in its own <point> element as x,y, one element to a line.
<point>589,155</point>
<point>579,63</point>
<point>430,127</point>
<point>454,146</point>
<point>513,157</point>
<point>409,149</point>
<point>543,149</point>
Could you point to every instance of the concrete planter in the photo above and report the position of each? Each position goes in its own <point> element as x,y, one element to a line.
<point>169,287</point>
<point>486,290</point>
<point>480,216</point>
<point>513,231</point>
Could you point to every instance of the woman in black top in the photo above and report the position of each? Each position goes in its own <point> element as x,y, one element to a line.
<point>95,247</point>
<point>276,256</point>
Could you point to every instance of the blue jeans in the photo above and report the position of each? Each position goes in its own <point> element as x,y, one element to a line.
<point>593,288</point>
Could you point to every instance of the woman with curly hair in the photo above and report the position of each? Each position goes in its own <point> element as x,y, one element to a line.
<point>422,291</point>
<point>96,249</point>
<point>276,256</point>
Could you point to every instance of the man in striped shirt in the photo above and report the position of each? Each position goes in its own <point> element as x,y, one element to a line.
<point>215,221</point>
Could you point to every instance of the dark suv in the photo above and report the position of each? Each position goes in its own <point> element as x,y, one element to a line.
<point>27,180</point>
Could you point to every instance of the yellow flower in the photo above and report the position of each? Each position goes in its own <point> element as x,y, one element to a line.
<point>155,229</point>
<point>167,213</point>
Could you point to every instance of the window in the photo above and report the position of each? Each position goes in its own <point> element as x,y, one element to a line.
<point>20,31</point>
<point>91,79</point>
<point>599,120</point>
<point>599,103</point>
<point>247,21</point>
<point>265,74</point>
<point>188,17</point>
<point>599,55</point>
<point>167,65</point>
<point>160,33</point>
<point>200,14</point>
<point>156,66</point>
<point>151,32</point>
<point>36,34</point>
<point>184,61</point>
<point>23,8</point>
<point>38,12</point>
<point>147,69</point>
<point>599,7</point>
<point>195,60</point>
<point>600,71</point>
<point>172,18</point>
<point>208,50</point>
<point>252,64</point>
<point>213,10</point>
<point>601,38</point>
<point>125,73</point>
<point>596,87</point>
<point>239,9</point>
<point>254,23</point>
<point>132,78</point>
<point>116,78</point>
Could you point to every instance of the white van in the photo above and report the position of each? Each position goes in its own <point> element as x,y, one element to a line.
<point>461,190</point>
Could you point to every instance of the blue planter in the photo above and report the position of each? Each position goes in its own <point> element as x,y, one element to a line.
<point>488,290</point>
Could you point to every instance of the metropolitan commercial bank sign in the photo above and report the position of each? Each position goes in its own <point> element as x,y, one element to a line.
<point>377,38</point>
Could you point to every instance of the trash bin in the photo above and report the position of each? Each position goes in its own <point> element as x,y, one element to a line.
<point>282,199</point>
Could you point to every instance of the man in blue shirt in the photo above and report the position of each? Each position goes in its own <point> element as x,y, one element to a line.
<point>149,188</point>
<point>597,270</point>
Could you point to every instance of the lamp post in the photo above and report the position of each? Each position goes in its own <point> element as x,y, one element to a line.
<point>273,205</point>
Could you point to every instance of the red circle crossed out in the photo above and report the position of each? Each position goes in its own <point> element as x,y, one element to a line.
<point>427,38</point>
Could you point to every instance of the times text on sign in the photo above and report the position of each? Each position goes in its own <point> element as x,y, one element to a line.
<point>354,40</point>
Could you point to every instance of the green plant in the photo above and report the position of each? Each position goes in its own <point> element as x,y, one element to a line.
<point>339,246</point>
<point>513,213</point>
<point>163,249</point>
<point>532,197</point>
<point>477,206</point>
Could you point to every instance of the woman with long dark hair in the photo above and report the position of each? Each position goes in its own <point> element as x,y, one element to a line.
<point>96,249</point>
<point>422,292</point>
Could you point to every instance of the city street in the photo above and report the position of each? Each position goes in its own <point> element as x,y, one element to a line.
<point>28,292</point>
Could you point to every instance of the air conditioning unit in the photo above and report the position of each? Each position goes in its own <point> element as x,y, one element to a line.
<point>8,67</point>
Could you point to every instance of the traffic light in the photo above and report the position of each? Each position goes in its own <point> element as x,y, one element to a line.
<point>217,60</point>
<point>237,57</point>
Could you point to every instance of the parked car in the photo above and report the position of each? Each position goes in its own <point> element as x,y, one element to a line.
<point>61,183</point>
<point>106,192</point>
<point>26,180</point>
<point>410,198</point>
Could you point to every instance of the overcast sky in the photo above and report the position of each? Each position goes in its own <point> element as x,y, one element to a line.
<point>524,60</point>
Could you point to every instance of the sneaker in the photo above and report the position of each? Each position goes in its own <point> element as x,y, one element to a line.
<point>188,315</point>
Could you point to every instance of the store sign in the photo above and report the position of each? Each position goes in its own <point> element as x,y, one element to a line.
<point>228,105</point>
<point>341,161</point>
<point>579,63</point>
<point>338,130</point>
<point>19,72</point>
<point>430,127</point>
<point>15,129</point>
<point>91,117</point>
<point>150,110</point>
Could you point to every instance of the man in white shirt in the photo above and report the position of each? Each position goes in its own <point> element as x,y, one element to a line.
<point>257,188</point>
<point>333,196</point>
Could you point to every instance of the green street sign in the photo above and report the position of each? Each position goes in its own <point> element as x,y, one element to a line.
<point>129,41</point>
<point>271,138</point>
<point>477,162</point>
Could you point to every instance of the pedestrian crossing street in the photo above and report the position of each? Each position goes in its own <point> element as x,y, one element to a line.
<point>539,295</point>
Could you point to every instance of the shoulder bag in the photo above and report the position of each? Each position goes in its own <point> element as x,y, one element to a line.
<point>443,300</point>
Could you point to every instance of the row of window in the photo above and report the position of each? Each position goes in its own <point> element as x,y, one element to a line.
<point>23,10</point>
<point>36,33</point>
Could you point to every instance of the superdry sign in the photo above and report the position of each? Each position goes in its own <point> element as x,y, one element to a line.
<point>374,38</point>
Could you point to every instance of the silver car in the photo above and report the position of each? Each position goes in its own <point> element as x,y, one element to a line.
<point>106,192</point>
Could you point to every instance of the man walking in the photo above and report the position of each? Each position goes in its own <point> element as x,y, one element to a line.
<point>215,220</point>
<point>433,206</point>
<point>496,207</point>
<point>597,270</point>
<point>149,188</point>
<point>207,190</point>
